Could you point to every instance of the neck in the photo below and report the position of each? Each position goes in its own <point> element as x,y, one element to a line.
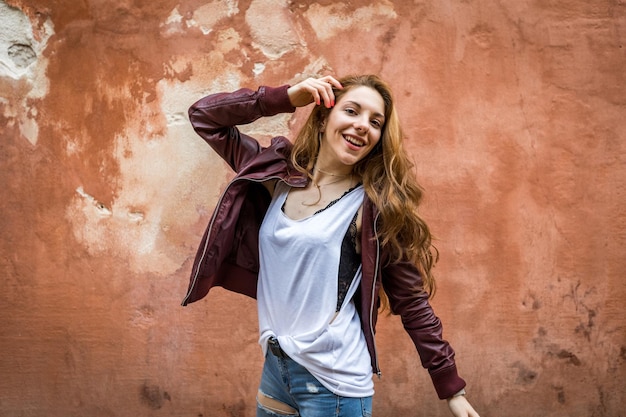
<point>333,174</point>
<point>333,180</point>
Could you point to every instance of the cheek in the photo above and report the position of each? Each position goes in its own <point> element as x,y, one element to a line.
<point>375,139</point>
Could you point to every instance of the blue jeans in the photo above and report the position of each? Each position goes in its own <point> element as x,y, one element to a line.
<point>286,381</point>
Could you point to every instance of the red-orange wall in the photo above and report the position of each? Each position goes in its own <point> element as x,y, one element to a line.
<point>514,111</point>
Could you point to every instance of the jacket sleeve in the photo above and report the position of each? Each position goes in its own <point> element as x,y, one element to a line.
<point>403,285</point>
<point>216,116</point>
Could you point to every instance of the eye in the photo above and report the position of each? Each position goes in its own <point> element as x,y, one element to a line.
<point>350,110</point>
<point>376,123</point>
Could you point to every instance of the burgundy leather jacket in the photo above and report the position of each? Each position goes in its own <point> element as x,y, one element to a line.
<point>228,253</point>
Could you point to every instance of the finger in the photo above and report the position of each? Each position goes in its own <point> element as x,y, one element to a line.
<point>300,94</point>
<point>326,90</point>
<point>316,87</point>
<point>312,87</point>
<point>328,96</point>
<point>316,96</point>
<point>332,81</point>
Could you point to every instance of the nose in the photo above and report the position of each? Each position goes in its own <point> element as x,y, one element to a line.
<point>362,124</point>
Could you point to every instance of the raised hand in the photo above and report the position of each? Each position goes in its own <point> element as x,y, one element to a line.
<point>318,90</point>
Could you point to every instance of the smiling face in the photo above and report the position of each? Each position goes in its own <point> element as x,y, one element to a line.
<point>352,129</point>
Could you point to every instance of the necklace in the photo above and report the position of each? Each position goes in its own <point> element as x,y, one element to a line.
<point>319,188</point>
<point>332,182</point>
<point>333,175</point>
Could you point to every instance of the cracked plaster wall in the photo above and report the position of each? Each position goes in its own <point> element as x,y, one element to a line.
<point>514,113</point>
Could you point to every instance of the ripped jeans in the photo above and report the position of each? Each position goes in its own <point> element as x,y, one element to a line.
<point>286,381</point>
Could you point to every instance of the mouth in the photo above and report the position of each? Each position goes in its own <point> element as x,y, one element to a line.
<point>354,141</point>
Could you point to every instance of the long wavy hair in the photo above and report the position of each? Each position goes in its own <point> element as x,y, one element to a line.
<point>388,180</point>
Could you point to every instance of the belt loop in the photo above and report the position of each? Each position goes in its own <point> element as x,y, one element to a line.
<point>274,347</point>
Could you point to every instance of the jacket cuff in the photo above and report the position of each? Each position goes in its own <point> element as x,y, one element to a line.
<point>276,100</point>
<point>447,382</point>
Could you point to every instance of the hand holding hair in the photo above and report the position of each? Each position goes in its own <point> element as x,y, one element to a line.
<point>316,90</point>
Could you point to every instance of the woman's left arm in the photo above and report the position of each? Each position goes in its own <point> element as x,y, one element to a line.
<point>404,287</point>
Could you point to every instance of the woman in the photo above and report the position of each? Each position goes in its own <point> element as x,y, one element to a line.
<point>321,233</point>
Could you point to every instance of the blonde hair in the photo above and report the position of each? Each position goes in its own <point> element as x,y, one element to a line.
<point>388,180</point>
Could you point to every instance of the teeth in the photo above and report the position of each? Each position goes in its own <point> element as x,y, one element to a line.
<point>353,141</point>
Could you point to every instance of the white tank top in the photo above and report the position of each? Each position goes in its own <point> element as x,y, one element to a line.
<point>297,294</point>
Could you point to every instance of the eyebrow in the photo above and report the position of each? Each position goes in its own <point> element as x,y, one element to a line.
<point>376,114</point>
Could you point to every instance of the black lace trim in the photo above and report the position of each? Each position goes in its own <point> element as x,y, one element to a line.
<point>348,263</point>
<point>332,203</point>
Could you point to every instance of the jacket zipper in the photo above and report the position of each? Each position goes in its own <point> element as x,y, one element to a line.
<point>206,244</point>
<point>374,298</point>
<point>211,223</point>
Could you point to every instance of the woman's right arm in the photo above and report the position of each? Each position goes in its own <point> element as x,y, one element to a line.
<point>216,116</point>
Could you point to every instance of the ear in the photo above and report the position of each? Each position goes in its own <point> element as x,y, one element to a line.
<point>322,126</point>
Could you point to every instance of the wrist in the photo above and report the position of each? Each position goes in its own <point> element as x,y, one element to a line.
<point>461,393</point>
<point>276,100</point>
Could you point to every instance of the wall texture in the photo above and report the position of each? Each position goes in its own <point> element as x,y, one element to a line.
<point>515,113</point>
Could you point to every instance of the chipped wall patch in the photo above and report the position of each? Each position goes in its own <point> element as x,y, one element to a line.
<point>205,17</point>
<point>283,37</point>
<point>21,58</point>
<point>173,24</point>
<point>327,21</point>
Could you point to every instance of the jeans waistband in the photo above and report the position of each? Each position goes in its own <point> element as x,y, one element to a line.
<point>274,347</point>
